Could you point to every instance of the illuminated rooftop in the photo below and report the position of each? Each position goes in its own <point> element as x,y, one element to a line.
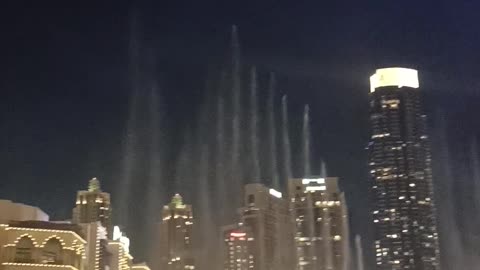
<point>394,76</point>
<point>177,201</point>
<point>94,185</point>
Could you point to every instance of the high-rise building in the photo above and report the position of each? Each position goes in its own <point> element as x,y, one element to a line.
<point>93,205</point>
<point>176,236</point>
<point>268,221</point>
<point>238,247</point>
<point>321,223</point>
<point>404,210</point>
<point>40,245</point>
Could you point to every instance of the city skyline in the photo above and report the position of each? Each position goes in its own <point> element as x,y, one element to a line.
<point>156,99</point>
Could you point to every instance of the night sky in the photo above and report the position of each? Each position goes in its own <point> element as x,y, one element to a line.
<point>65,90</point>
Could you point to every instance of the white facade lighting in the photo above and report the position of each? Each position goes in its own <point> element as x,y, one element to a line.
<point>315,188</point>
<point>394,76</point>
<point>307,181</point>
<point>275,193</point>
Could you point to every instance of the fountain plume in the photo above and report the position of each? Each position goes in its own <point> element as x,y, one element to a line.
<point>235,168</point>
<point>287,162</point>
<point>272,132</point>
<point>154,190</point>
<point>221,148</point>
<point>359,252</point>
<point>131,136</point>
<point>254,125</point>
<point>236,88</point>
<point>307,171</point>
<point>323,169</point>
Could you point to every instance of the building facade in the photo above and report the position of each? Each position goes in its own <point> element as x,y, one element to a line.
<point>120,254</point>
<point>41,245</point>
<point>267,217</point>
<point>238,247</point>
<point>176,236</point>
<point>321,223</point>
<point>97,256</point>
<point>404,210</point>
<point>93,205</point>
<point>140,266</point>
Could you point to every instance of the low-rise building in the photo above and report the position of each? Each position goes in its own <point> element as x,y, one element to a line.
<point>11,211</point>
<point>119,249</point>
<point>32,245</point>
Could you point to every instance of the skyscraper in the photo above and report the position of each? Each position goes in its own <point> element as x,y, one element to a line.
<point>268,221</point>
<point>239,245</point>
<point>93,205</point>
<point>404,210</point>
<point>176,233</point>
<point>321,223</point>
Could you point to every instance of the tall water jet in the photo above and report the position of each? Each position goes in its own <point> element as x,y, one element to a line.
<point>220,144</point>
<point>235,170</point>
<point>154,190</point>
<point>254,125</point>
<point>206,229</point>
<point>453,253</point>
<point>307,171</point>
<point>326,233</point>
<point>359,252</point>
<point>473,221</point>
<point>128,162</point>
<point>475,164</point>
<point>185,161</point>
<point>130,140</point>
<point>287,158</point>
<point>236,88</point>
<point>323,169</point>
<point>324,263</point>
<point>272,132</point>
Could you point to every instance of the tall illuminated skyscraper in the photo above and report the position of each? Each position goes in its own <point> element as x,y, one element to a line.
<point>176,233</point>
<point>94,205</point>
<point>404,210</point>
<point>321,224</point>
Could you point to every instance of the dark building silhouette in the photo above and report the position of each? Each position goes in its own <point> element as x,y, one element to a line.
<point>263,239</point>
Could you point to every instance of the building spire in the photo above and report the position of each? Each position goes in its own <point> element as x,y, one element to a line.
<point>177,200</point>
<point>94,184</point>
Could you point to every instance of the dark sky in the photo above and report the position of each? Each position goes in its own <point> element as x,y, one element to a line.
<point>64,78</point>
